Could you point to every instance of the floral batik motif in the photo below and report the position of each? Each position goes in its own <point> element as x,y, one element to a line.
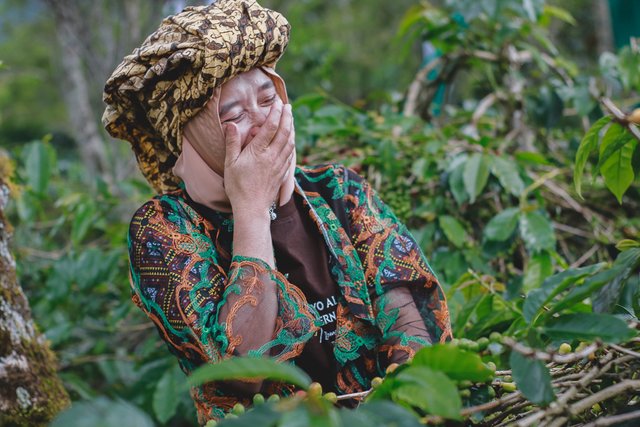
<point>184,278</point>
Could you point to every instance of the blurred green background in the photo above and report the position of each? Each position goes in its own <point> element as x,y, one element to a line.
<point>494,134</point>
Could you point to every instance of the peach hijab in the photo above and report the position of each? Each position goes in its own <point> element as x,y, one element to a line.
<point>195,163</point>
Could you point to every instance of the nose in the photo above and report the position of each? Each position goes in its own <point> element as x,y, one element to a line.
<point>258,117</point>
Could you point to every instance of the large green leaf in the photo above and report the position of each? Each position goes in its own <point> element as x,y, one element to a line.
<point>458,364</point>
<point>429,390</point>
<point>582,291</point>
<point>476,174</point>
<point>588,144</point>
<point>501,226</point>
<point>617,169</point>
<point>625,265</point>
<point>537,298</point>
<point>165,402</point>
<point>532,378</point>
<point>538,269</point>
<point>250,367</point>
<point>454,231</point>
<point>588,327</point>
<point>507,173</point>
<point>537,232</point>
<point>102,412</point>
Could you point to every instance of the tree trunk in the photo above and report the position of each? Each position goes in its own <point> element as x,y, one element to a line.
<point>72,33</point>
<point>31,393</point>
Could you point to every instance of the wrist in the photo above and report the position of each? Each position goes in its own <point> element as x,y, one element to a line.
<point>251,215</point>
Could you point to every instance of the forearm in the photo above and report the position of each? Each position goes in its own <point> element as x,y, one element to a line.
<point>251,307</point>
<point>408,324</point>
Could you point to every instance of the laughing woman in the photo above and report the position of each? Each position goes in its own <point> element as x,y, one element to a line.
<point>241,252</point>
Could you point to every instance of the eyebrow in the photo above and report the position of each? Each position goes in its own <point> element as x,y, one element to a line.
<point>229,105</point>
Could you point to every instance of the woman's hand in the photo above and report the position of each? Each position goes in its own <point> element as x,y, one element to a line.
<point>253,175</point>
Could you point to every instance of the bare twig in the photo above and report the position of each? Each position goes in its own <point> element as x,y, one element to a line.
<point>620,117</point>
<point>358,396</point>
<point>625,350</point>
<point>504,400</point>
<point>615,419</point>
<point>549,357</point>
<point>604,394</point>
<point>585,256</point>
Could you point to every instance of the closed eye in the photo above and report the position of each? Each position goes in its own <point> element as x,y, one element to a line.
<point>234,118</point>
<point>270,100</point>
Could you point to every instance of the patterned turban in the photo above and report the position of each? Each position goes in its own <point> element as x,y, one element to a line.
<point>169,79</point>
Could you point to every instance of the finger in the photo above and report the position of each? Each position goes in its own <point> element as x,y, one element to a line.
<point>232,143</point>
<point>285,129</point>
<point>269,128</point>
<point>285,157</point>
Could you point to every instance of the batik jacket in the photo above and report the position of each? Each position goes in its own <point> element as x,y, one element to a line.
<point>182,272</point>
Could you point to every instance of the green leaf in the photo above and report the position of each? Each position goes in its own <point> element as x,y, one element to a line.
<point>588,144</point>
<point>39,161</point>
<point>538,298</point>
<point>507,173</point>
<point>454,231</point>
<point>383,413</point>
<point>625,244</point>
<point>458,364</point>
<point>476,174</point>
<point>537,232</point>
<point>559,13</point>
<point>588,327</point>
<point>617,170</point>
<point>609,148</point>
<point>538,269</point>
<point>250,367</point>
<point>429,390</point>
<point>456,184</point>
<point>532,378</point>
<point>264,415</point>
<point>165,402</point>
<point>626,264</point>
<point>102,412</point>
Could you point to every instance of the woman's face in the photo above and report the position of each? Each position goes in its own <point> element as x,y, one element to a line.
<point>246,101</point>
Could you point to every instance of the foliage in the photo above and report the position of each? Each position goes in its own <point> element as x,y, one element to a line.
<point>484,184</point>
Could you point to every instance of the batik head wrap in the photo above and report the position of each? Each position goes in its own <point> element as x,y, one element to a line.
<point>170,78</point>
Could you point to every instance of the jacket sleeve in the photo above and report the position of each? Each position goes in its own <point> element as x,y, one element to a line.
<point>195,304</point>
<point>409,305</point>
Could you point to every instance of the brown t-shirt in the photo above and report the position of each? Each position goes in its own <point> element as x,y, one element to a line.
<point>301,255</point>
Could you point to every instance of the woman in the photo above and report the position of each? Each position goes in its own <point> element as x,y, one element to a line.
<point>242,253</point>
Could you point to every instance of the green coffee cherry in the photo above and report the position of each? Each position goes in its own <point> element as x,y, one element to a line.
<point>508,387</point>
<point>315,390</point>
<point>273,398</point>
<point>211,423</point>
<point>375,382</point>
<point>258,399</point>
<point>495,337</point>
<point>483,343</point>
<point>564,348</point>
<point>464,384</point>
<point>238,409</point>
<point>465,393</point>
<point>331,397</point>
<point>492,366</point>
